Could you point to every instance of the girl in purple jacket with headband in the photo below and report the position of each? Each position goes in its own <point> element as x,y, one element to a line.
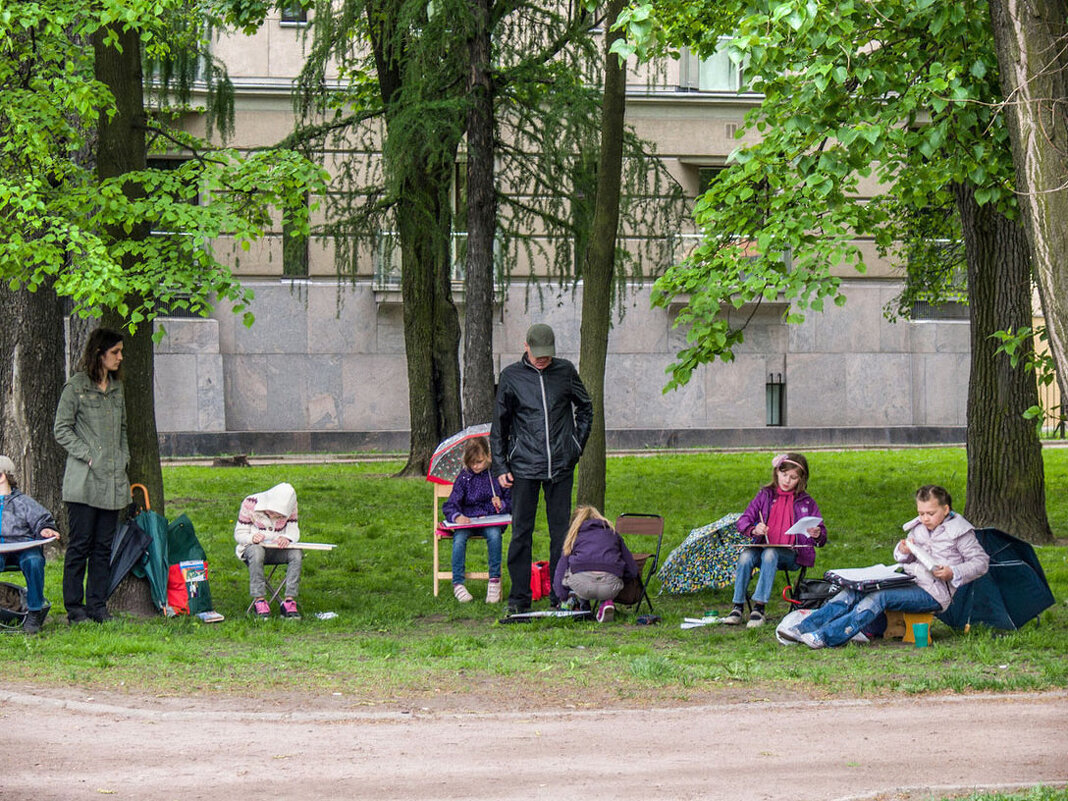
<point>779,504</point>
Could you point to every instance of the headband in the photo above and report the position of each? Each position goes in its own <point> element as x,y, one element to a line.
<point>782,459</point>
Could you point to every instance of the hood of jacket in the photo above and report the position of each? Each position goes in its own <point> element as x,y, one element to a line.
<point>280,499</point>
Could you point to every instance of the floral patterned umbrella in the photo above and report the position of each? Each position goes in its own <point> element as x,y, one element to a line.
<point>706,558</point>
<point>448,457</point>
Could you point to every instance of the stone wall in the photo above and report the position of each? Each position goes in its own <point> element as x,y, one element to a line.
<point>323,369</point>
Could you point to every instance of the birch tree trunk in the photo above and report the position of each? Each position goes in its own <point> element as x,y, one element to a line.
<point>1031,37</point>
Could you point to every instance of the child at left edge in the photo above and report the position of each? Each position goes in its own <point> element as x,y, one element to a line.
<point>776,507</point>
<point>476,493</point>
<point>23,519</point>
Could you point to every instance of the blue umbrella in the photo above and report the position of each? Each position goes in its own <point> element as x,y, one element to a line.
<point>1013,591</point>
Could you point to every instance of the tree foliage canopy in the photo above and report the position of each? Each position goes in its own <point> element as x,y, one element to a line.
<point>898,95</point>
<point>54,212</point>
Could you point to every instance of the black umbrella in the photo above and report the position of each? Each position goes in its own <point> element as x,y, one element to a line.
<point>1013,591</point>
<point>127,549</point>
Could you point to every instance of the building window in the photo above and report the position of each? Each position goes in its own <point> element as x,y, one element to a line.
<point>294,250</point>
<point>775,400</point>
<point>294,13</point>
<point>717,73</point>
<point>175,244</point>
<point>947,310</point>
<point>706,176</point>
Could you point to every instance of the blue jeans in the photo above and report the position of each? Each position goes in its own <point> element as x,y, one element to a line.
<point>769,560</point>
<point>493,535</point>
<point>849,612</point>
<point>32,563</point>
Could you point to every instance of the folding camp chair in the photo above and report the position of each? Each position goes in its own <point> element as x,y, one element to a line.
<point>790,591</point>
<point>12,602</point>
<point>442,492</point>
<point>637,524</point>
<point>13,609</point>
<point>273,589</point>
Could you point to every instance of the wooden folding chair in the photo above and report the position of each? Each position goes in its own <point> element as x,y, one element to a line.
<point>441,493</point>
<point>638,524</point>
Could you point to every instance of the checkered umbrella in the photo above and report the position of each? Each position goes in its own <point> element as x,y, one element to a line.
<point>448,457</point>
<point>707,558</point>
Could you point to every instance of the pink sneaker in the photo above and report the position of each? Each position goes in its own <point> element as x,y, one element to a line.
<point>606,612</point>
<point>289,609</point>
<point>260,608</point>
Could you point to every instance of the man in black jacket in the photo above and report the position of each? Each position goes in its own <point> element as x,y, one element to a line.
<point>540,426</point>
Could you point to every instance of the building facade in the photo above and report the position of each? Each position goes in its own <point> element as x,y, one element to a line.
<point>323,367</point>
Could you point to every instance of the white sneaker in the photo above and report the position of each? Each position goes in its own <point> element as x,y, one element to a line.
<point>734,618</point>
<point>812,640</point>
<point>493,592</point>
<point>461,593</point>
<point>788,635</point>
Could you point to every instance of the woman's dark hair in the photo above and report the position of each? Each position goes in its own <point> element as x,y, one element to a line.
<point>477,448</point>
<point>936,493</point>
<point>100,342</point>
<point>789,461</point>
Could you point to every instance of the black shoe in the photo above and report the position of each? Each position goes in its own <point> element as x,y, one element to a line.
<point>77,618</point>
<point>34,621</point>
<point>103,617</point>
<point>518,609</point>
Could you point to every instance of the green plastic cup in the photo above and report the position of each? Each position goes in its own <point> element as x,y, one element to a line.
<point>921,634</point>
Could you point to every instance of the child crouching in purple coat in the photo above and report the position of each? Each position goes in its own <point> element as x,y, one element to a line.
<point>594,562</point>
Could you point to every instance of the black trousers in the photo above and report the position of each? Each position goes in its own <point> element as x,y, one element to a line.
<point>89,545</point>
<point>525,493</point>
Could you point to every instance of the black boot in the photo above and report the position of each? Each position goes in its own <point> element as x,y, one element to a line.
<point>35,619</point>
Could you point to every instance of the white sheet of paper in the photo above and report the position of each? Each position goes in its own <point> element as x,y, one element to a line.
<point>803,525</point>
<point>24,545</point>
<point>873,573</point>
<point>482,522</point>
<point>922,556</point>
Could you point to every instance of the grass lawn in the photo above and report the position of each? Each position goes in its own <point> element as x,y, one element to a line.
<point>1039,793</point>
<point>392,640</point>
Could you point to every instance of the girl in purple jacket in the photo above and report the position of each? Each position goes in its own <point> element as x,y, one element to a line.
<point>779,504</point>
<point>476,493</point>
<point>594,562</point>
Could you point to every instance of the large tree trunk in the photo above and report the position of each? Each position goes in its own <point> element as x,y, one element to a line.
<point>600,265</point>
<point>31,345</point>
<point>1031,37</point>
<point>424,222</point>
<point>481,224</point>
<point>431,323</point>
<point>1006,479</point>
<point>121,149</point>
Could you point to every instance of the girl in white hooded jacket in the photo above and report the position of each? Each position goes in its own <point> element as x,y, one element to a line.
<point>940,550</point>
<point>266,527</point>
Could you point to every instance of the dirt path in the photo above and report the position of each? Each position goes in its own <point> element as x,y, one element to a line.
<point>234,749</point>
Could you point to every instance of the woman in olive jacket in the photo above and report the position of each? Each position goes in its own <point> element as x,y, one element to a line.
<point>91,425</point>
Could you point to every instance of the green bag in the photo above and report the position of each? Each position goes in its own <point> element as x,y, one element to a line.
<point>188,592</point>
